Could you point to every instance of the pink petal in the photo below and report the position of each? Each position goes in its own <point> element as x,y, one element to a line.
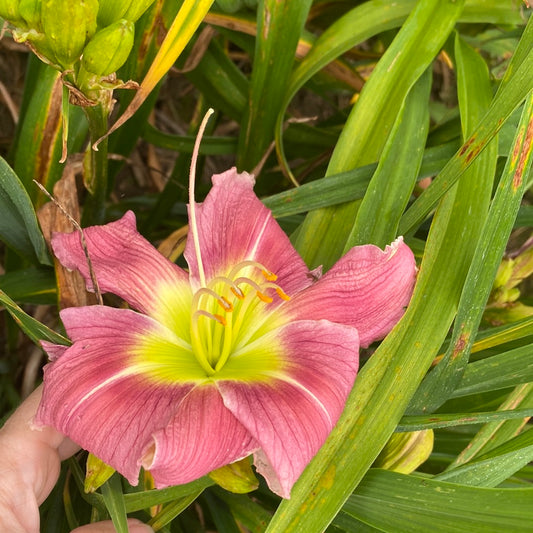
<point>98,393</point>
<point>53,350</point>
<point>126,264</point>
<point>291,413</point>
<point>202,436</point>
<point>234,226</point>
<point>368,288</point>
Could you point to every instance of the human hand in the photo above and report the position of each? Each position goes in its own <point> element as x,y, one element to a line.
<point>30,462</point>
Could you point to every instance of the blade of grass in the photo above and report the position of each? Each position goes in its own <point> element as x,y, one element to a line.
<point>496,466</point>
<point>417,423</point>
<point>493,434</point>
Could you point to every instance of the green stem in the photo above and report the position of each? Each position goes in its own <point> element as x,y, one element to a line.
<point>96,180</point>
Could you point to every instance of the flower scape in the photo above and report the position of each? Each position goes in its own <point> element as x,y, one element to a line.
<point>244,353</point>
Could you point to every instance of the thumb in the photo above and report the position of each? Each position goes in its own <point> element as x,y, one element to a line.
<point>134,526</point>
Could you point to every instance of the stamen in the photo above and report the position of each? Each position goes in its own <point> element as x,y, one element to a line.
<point>264,297</point>
<point>282,294</point>
<point>267,274</point>
<point>222,300</point>
<point>237,292</point>
<point>213,316</point>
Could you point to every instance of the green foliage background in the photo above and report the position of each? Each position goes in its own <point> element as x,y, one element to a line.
<point>362,121</point>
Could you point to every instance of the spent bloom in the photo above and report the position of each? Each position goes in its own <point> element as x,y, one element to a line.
<point>246,353</point>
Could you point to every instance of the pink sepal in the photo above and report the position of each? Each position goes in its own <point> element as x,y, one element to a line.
<point>368,288</point>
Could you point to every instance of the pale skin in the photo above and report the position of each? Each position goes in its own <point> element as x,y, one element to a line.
<point>29,468</point>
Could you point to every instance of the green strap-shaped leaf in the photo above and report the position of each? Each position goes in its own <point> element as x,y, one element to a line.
<point>279,27</point>
<point>497,372</point>
<point>395,502</point>
<point>136,501</point>
<point>392,184</point>
<point>18,223</point>
<point>496,466</point>
<point>323,235</point>
<point>33,328</point>
<point>475,93</point>
<point>359,24</point>
<point>114,502</point>
<point>494,433</point>
<point>417,423</point>
<point>350,185</point>
<point>516,85</point>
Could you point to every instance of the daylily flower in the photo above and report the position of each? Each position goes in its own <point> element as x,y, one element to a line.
<point>245,353</point>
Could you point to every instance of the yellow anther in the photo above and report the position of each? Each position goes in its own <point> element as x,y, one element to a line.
<point>237,292</point>
<point>200,312</point>
<point>269,276</point>
<point>282,294</point>
<point>220,319</point>
<point>262,296</point>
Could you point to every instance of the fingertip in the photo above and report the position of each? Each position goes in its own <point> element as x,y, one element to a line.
<point>134,526</point>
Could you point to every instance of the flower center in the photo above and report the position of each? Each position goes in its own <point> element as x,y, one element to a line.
<point>229,310</point>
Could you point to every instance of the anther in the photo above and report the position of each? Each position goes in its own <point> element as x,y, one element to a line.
<point>264,297</point>
<point>269,276</point>
<point>283,295</point>
<point>223,301</point>
<point>217,318</point>
<point>237,292</point>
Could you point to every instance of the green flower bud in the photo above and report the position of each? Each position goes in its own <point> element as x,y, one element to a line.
<point>236,477</point>
<point>405,452</point>
<point>30,11</point>
<point>67,26</point>
<point>97,473</point>
<point>9,10</point>
<point>229,6</point>
<point>136,9</point>
<point>111,11</point>
<point>108,50</point>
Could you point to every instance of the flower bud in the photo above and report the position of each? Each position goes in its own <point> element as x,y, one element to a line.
<point>137,8</point>
<point>229,6</point>
<point>67,26</point>
<point>97,473</point>
<point>30,11</point>
<point>9,10</point>
<point>405,452</point>
<point>108,50</point>
<point>112,10</point>
<point>236,477</point>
